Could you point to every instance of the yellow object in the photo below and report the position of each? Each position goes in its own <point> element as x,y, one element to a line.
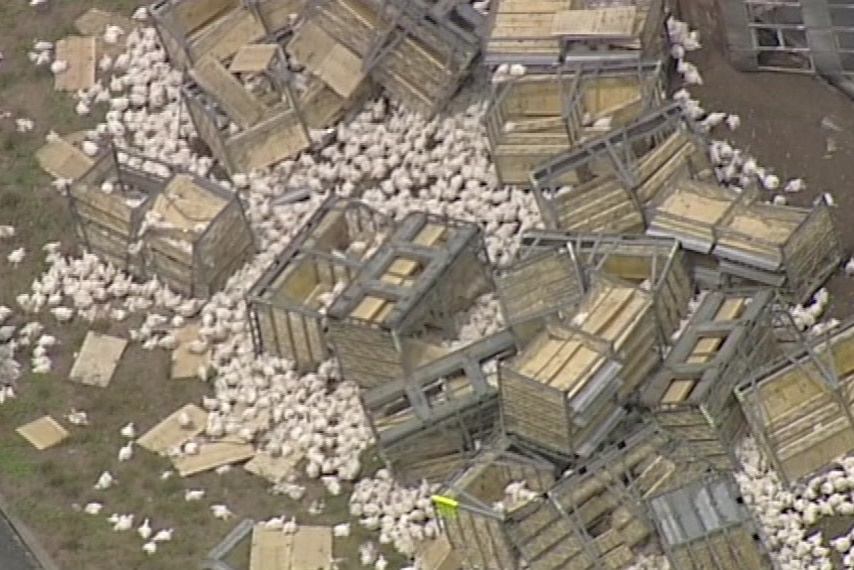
<point>444,506</point>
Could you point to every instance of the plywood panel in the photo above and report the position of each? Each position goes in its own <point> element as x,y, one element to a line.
<point>169,433</point>
<point>79,53</point>
<point>97,359</point>
<point>43,433</point>
<point>211,456</point>
<point>61,159</point>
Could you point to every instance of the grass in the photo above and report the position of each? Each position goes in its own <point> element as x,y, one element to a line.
<point>46,489</point>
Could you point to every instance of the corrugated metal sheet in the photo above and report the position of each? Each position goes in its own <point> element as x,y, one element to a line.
<point>696,511</point>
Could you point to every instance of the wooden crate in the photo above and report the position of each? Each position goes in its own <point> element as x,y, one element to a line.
<point>766,243</point>
<point>108,223</point>
<point>657,265</point>
<point>190,30</point>
<point>206,239</point>
<point>692,395</point>
<point>537,287</point>
<point>618,173</point>
<point>476,530</point>
<point>245,128</point>
<point>705,524</point>
<point>800,422</point>
<point>402,306</point>
<point>541,32</point>
<point>593,517</point>
<point>288,302</point>
<point>690,211</point>
<point>563,392</point>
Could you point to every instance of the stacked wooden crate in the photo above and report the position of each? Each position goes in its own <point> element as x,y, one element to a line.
<point>418,51</point>
<point>545,32</point>
<point>288,302</point>
<point>706,524</point>
<point>547,112</point>
<point>657,265</point>
<point>201,236</point>
<point>692,395</point>
<point>594,517</point>
<point>477,529</point>
<point>396,315</point>
<point>800,409</point>
<point>618,173</point>
<point>108,204</point>
<point>218,28</point>
<point>429,423</point>
<point>245,109</point>
<point>139,215</point>
<point>563,392</point>
<point>749,240</point>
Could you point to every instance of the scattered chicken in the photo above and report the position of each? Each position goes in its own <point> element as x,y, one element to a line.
<point>128,431</point>
<point>221,512</point>
<point>16,256</point>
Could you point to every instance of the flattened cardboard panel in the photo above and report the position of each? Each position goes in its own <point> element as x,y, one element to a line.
<point>212,455</point>
<point>97,361</point>
<point>270,549</point>
<point>79,53</point>
<point>169,432</point>
<point>61,159</point>
<point>43,433</point>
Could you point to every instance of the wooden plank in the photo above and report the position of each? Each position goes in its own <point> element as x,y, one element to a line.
<point>270,549</point>
<point>617,22</point>
<point>678,391</point>
<point>253,58</point>
<point>61,159</point>
<point>97,359</point>
<point>79,53</point>
<point>43,433</point>
<point>169,433</point>
<point>212,455</point>
<point>240,105</point>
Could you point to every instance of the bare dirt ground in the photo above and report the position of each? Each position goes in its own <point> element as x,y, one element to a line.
<point>782,127</point>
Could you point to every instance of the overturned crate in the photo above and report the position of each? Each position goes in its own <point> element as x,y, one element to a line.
<point>618,173</point>
<point>543,114</point>
<point>197,236</point>
<point>657,265</point>
<point>781,246</point>
<point>400,312</point>
<point>547,32</point>
<point>191,29</point>
<point>108,205</point>
<point>592,517</point>
<point>483,507</point>
<point>544,284</point>
<point>692,395</point>
<point>288,302</point>
<point>705,524</point>
<point>563,393</point>
<point>800,409</point>
<point>245,109</point>
<point>429,424</point>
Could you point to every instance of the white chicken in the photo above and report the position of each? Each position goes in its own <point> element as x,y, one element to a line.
<point>16,256</point>
<point>221,512</point>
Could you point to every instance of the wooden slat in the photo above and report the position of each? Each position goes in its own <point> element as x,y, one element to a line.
<point>243,107</point>
<point>618,22</point>
<point>252,58</point>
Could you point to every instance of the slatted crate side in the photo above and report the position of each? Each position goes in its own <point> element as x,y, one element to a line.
<point>226,245</point>
<point>368,355</point>
<point>480,541</point>
<point>539,284</point>
<point>638,352</point>
<point>180,276</point>
<point>739,547</point>
<point>468,277</point>
<point>276,14</point>
<point>513,164</point>
<point>535,413</point>
<point>267,142</point>
<point>813,253</point>
<point>207,128</point>
<point>176,22</point>
<point>226,34</point>
<point>108,245</point>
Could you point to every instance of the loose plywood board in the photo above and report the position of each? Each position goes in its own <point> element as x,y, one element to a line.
<point>270,549</point>
<point>43,433</point>
<point>212,455</point>
<point>186,364</point>
<point>618,22</point>
<point>97,360</point>
<point>79,53</point>
<point>311,548</point>
<point>328,59</point>
<point>273,469</point>
<point>61,159</point>
<point>169,433</point>
<point>238,103</point>
<point>253,58</point>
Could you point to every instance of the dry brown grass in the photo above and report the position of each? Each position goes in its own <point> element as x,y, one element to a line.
<point>43,487</point>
